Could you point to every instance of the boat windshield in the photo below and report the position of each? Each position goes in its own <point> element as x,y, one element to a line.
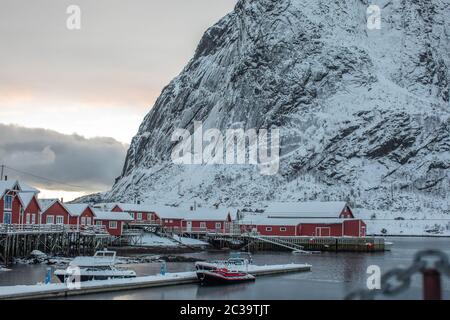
<point>105,254</point>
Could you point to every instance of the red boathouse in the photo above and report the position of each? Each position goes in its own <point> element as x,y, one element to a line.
<point>318,219</point>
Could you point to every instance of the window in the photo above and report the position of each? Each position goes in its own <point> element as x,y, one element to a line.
<point>268,228</point>
<point>8,202</point>
<point>166,221</point>
<point>113,224</point>
<point>98,223</point>
<point>218,225</point>
<point>203,225</point>
<point>83,221</point>
<point>28,219</point>
<point>139,216</point>
<point>59,219</point>
<point>33,218</point>
<point>282,228</point>
<point>50,220</point>
<point>88,221</point>
<point>170,221</point>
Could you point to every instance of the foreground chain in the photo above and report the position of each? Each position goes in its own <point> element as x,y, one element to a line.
<point>430,263</point>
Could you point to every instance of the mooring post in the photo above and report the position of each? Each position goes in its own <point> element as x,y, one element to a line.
<point>432,285</point>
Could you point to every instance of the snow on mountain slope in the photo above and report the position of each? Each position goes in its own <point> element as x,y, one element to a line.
<point>364,115</point>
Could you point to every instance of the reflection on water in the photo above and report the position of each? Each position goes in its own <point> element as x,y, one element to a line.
<point>333,275</point>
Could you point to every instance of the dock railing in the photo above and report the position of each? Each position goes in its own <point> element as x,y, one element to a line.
<point>51,228</point>
<point>32,228</point>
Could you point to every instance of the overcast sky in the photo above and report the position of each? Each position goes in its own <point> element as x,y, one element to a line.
<point>98,81</point>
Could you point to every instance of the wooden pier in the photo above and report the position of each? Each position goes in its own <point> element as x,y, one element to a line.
<point>292,243</point>
<point>18,241</point>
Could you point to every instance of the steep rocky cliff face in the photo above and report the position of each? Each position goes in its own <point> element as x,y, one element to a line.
<point>363,114</point>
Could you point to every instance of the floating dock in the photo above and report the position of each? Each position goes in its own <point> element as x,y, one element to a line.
<point>60,290</point>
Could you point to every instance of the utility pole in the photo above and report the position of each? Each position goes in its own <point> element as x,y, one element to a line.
<point>2,169</point>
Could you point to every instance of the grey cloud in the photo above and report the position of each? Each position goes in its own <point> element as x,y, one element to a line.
<point>72,159</point>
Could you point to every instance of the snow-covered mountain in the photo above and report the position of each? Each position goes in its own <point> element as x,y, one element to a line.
<point>363,114</point>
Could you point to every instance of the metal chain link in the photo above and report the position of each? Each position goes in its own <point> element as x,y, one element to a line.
<point>399,279</point>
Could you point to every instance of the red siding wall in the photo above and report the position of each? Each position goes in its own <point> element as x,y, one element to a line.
<point>355,228</point>
<point>87,213</point>
<point>55,210</point>
<point>145,215</point>
<point>15,212</point>
<point>33,208</point>
<point>176,223</point>
<point>210,225</point>
<point>274,231</point>
<point>113,232</point>
<point>352,228</point>
<point>320,230</point>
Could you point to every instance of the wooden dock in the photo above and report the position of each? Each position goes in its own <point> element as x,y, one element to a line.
<point>18,241</point>
<point>61,290</point>
<point>286,243</point>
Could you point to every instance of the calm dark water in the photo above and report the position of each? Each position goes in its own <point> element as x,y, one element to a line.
<point>333,275</point>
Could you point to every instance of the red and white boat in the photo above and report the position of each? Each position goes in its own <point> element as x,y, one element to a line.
<point>223,276</point>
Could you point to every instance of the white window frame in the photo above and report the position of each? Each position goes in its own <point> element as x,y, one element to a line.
<point>60,219</point>
<point>33,218</point>
<point>113,224</point>
<point>269,229</point>
<point>283,229</point>
<point>88,221</point>
<point>170,221</point>
<point>139,216</point>
<point>202,225</point>
<point>83,221</point>
<point>218,225</point>
<point>50,220</point>
<point>27,218</point>
<point>98,223</point>
<point>5,202</point>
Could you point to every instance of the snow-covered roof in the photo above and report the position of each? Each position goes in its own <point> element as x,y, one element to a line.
<point>316,209</point>
<point>46,203</point>
<point>132,207</point>
<point>76,209</point>
<point>20,186</point>
<point>26,197</point>
<point>165,212</point>
<point>110,215</point>
<point>204,214</point>
<point>199,214</point>
<point>265,221</point>
<point>27,188</point>
<point>104,206</point>
<point>5,186</point>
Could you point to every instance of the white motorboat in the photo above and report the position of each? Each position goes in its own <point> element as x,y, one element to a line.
<point>99,267</point>
<point>235,262</point>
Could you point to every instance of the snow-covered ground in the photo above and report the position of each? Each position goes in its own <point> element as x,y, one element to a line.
<point>402,224</point>
<point>152,240</point>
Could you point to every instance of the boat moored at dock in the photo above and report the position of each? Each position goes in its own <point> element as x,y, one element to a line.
<point>221,276</point>
<point>99,267</point>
